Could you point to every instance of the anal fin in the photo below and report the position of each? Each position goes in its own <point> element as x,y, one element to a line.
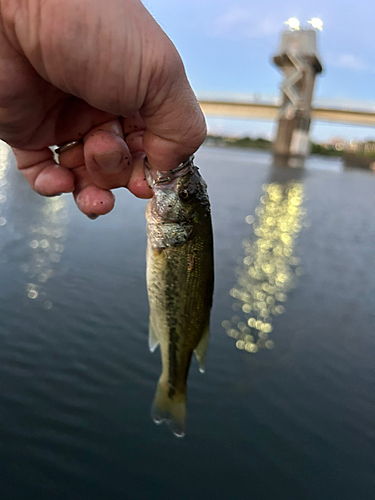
<point>201,349</point>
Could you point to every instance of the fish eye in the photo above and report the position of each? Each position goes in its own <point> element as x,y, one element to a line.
<point>184,194</point>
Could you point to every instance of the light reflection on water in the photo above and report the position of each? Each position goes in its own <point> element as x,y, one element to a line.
<point>44,236</point>
<point>46,242</point>
<point>269,268</point>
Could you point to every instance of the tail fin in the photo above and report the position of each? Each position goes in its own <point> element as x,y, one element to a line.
<point>170,408</point>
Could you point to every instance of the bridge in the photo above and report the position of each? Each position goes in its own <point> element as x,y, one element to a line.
<point>269,112</point>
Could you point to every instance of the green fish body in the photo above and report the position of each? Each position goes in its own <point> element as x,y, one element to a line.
<point>180,278</point>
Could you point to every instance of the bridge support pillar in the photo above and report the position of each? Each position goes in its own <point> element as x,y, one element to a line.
<point>299,61</point>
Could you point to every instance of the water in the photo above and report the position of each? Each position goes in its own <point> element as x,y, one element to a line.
<point>294,420</point>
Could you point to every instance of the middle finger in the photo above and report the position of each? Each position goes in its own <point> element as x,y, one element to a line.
<point>107,156</point>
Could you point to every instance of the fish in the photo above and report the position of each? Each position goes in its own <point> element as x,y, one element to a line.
<point>180,281</point>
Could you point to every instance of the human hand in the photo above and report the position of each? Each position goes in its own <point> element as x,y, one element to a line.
<point>103,72</point>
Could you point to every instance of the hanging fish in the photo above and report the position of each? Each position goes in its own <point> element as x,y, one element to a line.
<point>180,276</point>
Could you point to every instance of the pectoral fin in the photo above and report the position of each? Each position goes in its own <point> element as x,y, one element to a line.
<point>201,349</point>
<point>153,340</point>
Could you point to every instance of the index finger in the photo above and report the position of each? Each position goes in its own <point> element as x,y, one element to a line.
<point>44,175</point>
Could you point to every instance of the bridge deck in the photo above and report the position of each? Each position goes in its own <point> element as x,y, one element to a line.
<point>270,111</point>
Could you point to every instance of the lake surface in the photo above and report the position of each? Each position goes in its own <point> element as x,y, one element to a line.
<point>286,408</point>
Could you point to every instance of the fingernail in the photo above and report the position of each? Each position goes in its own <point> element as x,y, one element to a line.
<point>108,161</point>
<point>53,195</point>
<point>92,216</point>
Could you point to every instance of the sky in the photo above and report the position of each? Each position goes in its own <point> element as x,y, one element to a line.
<point>227,48</point>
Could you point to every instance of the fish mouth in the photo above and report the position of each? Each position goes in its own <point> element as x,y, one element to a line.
<point>157,177</point>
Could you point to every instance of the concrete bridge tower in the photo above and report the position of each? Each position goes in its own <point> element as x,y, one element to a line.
<point>299,60</point>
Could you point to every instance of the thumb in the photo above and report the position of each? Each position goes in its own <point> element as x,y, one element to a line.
<point>175,124</point>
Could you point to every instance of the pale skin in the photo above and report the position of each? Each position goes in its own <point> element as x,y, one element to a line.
<point>100,71</point>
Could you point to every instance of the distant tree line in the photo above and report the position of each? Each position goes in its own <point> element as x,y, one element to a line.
<point>260,143</point>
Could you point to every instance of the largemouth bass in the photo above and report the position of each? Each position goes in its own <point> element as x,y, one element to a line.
<point>179,282</point>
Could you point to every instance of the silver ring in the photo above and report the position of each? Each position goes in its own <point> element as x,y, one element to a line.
<point>62,148</point>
